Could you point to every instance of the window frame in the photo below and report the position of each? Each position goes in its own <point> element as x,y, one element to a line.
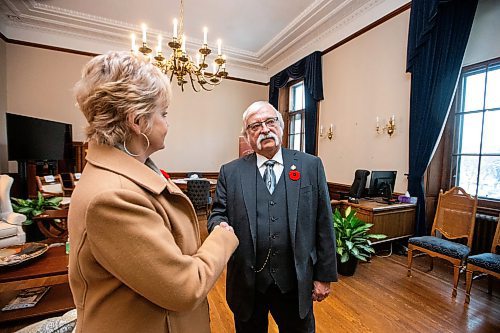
<point>288,114</point>
<point>457,119</point>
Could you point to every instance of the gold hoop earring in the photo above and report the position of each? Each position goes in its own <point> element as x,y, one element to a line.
<point>136,155</point>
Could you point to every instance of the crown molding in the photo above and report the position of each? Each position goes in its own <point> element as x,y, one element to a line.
<point>322,24</point>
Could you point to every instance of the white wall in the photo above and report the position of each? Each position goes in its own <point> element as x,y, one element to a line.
<point>484,40</point>
<point>363,79</point>
<point>204,127</point>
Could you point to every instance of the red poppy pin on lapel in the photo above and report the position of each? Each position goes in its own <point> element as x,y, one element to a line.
<point>165,174</point>
<point>294,174</point>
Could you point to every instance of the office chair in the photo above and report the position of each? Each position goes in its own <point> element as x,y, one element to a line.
<point>358,185</point>
<point>198,191</point>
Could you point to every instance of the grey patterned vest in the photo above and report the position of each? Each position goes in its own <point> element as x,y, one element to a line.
<point>273,232</point>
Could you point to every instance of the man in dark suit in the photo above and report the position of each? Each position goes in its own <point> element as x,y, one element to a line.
<point>277,201</point>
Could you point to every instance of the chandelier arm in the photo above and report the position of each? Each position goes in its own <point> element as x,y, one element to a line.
<point>192,83</point>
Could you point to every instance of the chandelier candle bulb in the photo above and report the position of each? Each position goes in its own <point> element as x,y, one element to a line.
<point>159,44</point>
<point>133,42</point>
<point>183,47</point>
<point>205,36</point>
<point>144,33</point>
<point>175,28</point>
<point>219,46</point>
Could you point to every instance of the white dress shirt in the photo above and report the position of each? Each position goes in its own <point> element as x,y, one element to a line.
<point>277,168</point>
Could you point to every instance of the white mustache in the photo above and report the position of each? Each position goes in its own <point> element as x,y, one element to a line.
<point>269,135</point>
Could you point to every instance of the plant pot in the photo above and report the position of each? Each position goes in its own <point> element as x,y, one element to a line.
<point>347,268</point>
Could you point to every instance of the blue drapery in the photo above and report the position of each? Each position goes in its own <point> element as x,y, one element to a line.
<point>308,68</point>
<point>437,38</point>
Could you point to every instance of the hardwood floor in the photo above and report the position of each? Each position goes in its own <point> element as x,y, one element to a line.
<point>380,298</point>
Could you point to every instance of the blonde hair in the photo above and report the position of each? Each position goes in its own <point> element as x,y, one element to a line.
<point>116,86</point>
<point>256,107</point>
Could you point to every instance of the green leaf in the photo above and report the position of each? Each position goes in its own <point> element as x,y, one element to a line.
<point>344,257</point>
<point>360,257</point>
<point>347,211</point>
<point>376,236</point>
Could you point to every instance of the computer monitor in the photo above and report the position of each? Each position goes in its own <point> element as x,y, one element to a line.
<point>382,183</point>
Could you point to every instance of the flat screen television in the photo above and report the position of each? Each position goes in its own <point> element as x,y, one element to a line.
<point>382,183</point>
<point>37,139</point>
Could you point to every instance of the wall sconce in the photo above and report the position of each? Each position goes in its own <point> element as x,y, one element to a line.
<point>390,127</point>
<point>329,134</point>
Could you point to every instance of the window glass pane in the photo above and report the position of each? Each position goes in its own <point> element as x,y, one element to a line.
<point>491,132</point>
<point>296,144</point>
<point>467,173</point>
<point>298,123</point>
<point>291,141</point>
<point>474,91</point>
<point>489,178</point>
<point>297,97</point>
<point>470,139</point>
<point>493,87</point>
<point>291,126</point>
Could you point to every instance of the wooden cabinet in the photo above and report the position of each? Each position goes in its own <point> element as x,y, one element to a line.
<point>79,153</point>
<point>395,221</point>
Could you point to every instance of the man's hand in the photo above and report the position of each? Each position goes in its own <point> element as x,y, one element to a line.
<point>224,226</point>
<point>321,291</point>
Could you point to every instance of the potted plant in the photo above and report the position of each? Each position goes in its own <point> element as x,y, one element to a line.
<point>31,208</point>
<point>353,240</point>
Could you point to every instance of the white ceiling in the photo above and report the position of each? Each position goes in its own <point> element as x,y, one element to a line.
<point>259,37</point>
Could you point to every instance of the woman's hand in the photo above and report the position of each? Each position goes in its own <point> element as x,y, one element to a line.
<point>225,226</point>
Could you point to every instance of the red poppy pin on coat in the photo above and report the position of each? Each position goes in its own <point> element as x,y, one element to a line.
<point>294,174</point>
<point>165,174</point>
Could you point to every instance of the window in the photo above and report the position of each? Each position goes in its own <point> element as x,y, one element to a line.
<point>476,150</point>
<point>295,119</point>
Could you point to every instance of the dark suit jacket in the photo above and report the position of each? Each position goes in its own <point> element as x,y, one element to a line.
<point>309,218</point>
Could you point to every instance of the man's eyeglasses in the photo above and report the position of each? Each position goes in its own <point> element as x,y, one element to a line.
<point>270,122</point>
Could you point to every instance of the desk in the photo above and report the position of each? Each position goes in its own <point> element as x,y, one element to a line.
<point>396,220</point>
<point>57,300</point>
<point>182,183</point>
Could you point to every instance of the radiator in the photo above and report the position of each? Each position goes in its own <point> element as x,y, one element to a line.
<point>484,230</point>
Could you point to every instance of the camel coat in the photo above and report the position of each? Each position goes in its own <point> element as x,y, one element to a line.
<point>136,262</point>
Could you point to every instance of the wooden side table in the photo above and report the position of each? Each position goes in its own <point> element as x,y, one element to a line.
<point>54,263</point>
<point>50,228</point>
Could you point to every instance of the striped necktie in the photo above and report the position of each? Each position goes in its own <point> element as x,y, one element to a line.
<point>270,176</point>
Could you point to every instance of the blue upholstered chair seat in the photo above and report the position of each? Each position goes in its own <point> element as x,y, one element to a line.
<point>490,261</point>
<point>443,246</point>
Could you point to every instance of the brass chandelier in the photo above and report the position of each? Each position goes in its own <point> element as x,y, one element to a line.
<point>180,64</point>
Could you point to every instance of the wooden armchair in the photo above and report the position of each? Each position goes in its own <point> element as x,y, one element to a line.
<point>67,182</point>
<point>454,219</point>
<point>488,263</point>
<point>50,185</point>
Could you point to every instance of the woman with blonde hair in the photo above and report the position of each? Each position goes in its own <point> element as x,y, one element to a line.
<point>136,262</point>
